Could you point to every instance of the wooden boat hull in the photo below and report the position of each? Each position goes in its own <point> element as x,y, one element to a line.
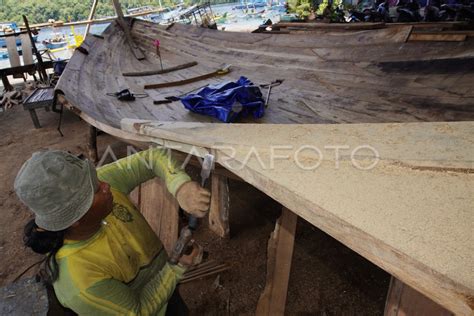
<point>409,215</point>
<point>328,79</point>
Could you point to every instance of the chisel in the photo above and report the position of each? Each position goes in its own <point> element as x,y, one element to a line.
<point>207,166</point>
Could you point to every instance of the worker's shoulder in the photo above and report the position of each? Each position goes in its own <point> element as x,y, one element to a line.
<point>78,272</point>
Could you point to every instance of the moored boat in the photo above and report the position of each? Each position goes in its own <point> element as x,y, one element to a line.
<point>58,40</point>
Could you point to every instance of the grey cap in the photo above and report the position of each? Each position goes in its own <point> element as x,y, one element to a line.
<point>58,187</point>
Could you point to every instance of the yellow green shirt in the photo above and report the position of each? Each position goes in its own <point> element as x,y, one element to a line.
<point>123,268</point>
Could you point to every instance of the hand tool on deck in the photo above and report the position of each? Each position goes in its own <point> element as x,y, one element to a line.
<point>270,86</point>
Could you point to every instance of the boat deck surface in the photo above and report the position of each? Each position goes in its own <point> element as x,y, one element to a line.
<point>361,77</point>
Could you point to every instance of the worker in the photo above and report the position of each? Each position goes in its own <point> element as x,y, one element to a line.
<point>102,256</point>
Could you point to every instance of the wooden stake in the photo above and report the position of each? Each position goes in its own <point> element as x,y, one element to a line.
<point>219,210</point>
<point>280,252</point>
<point>92,144</point>
<point>402,300</point>
<point>91,16</point>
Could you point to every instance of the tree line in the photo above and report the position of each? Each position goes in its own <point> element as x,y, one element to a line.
<point>39,11</point>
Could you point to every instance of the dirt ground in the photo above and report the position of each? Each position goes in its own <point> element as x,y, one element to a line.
<point>327,278</point>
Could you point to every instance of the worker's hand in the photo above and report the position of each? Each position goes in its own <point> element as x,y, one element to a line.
<point>195,257</point>
<point>194,199</point>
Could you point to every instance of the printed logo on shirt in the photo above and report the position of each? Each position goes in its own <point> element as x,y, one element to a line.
<point>121,213</point>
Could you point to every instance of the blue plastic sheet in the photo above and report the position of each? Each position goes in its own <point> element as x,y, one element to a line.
<point>227,101</point>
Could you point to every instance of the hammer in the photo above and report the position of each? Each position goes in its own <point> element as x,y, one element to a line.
<point>186,233</point>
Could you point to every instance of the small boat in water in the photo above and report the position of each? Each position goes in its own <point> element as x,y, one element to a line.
<point>58,40</point>
<point>250,5</point>
<point>11,27</point>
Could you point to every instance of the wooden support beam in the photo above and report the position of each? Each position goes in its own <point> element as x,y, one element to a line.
<point>126,29</point>
<point>403,300</point>
<point>4,73</point>
<point>280,252</point>
<point>160,209</point>
<point>91,16</point>
<point>219,210</point>
<point>6,84</point>
<point>26,68</point>
<point>92,144</point>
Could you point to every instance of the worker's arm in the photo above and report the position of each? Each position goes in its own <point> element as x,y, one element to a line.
<point>112,297</point>
<point>127,173</point>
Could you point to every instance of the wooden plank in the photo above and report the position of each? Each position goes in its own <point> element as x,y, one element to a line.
<point>402,300</point>
<point>420,233</point>
<point>160,209</point>
<point>22,69</point>
<point>332,26</point>
<point>279,256</point>
<point>27,49</point>
<point>159,71</point>
<point>13,55</point>
<point>219,72</point>
<point>468,33</point>
<point>219,209</point>
<point>437,37</point>
<point>92,144</point>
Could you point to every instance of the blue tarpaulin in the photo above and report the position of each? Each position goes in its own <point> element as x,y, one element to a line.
<point>227,101</point>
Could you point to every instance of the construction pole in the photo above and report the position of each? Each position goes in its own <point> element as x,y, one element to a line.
<point>126,29</point>
<point>91,16</point>
<point>42,72</point>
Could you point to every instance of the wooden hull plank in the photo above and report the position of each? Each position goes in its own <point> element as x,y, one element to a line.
<point>410,214</point>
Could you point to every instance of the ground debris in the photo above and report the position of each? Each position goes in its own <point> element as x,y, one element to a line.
<point>25,297</point>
